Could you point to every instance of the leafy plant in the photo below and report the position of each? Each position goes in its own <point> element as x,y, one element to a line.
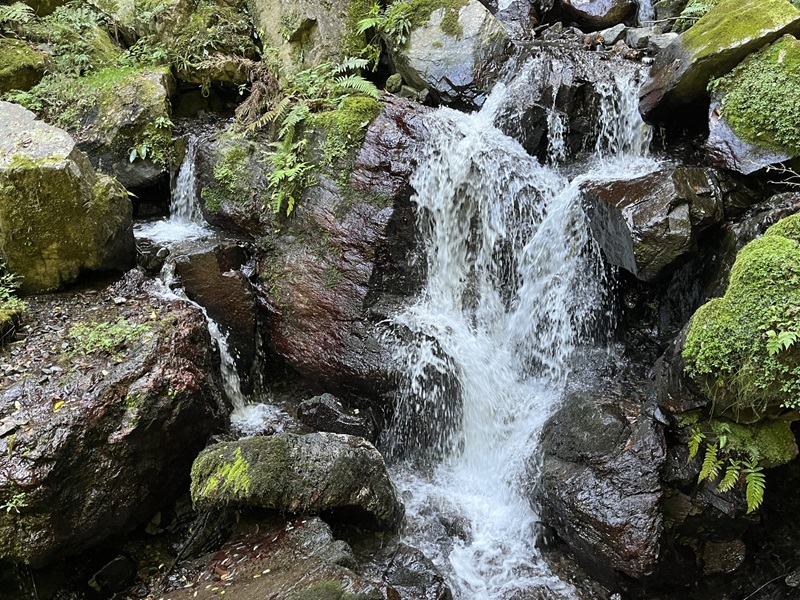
<point>290,110</point>
<point>393,23</point>
<point>711,464</point>
<point>756,485</point>
<point>14,15</point>
<point>16,502</point>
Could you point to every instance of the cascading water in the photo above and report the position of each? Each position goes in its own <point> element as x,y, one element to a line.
<point>514,287</point>
<point>185,220</point>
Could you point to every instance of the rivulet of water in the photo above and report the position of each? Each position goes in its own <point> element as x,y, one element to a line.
<point>515,285</point>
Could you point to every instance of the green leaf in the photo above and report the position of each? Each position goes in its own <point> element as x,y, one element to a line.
<point>711,464</point>
<point>134,154</point>
<point>756,485</point>
<point>731,476</point>
<point>695,440</point>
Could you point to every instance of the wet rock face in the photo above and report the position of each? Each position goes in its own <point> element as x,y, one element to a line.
<point>58,217</point>
<point>106,426</point>
<point>456,58</point>
<point>710,48</point>
<point>213,279</point>
<point>326,413</point>
<point>324,279</point>
<point>319,472</point>
<point>412,575</point>
<point>646,225</point>
<point>568,82</point>
<point>597,14</point>
<point>600,485</point>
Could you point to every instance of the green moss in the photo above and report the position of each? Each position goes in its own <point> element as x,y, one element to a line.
<point>770,441</point>
<point>420,13</point>
<point>219,473</point>
<point>344,128</point>
<point>232,177</point>
<point>759,99</point>
<point>726,349</point>
<point>354,43</point>
<point>788,228</point>
<point>21,67</point>
<point>731,21</point>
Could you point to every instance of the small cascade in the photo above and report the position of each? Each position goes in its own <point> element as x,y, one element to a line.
<point>185,220</point>
<point>515,289</point>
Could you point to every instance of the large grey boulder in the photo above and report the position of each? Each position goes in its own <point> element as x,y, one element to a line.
<point>99,433</point>
<point>710,48</point>
<point>647,225</point>
<point>598,14</point>
<point>57,217</point>
<point>456,54</point>
<point>308,474</point>
<point>600,486</point>
<point>307,33</point>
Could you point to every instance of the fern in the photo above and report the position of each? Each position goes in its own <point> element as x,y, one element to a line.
<point>351,64</point>
<point>711,464</point>
<point>731,476</point>
<point>16,14</point>
<point>695,440</point>
<point>756,485</point>
<point>358,84</point>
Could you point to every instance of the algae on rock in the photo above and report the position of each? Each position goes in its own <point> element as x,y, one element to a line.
<point>57,217</point>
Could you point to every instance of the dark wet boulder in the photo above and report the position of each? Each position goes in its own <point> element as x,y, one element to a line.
<point>21,67</point>
<point>557,97</point>
<point>412,575</point>
<point>319,472</point>
<point>106,424</point>
<point>598,14</point>
<point>273,558</point>
<point>57,217</point>
<point>454,51</point>
<point>647,225</point>
<point>212,277</point>
<point>600,487</point>
<point>753,121</point>
<point>519,17</point>
<point>326,413</point>
<point>719,41</point>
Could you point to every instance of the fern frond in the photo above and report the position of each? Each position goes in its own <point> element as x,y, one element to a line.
<point>369,23</point>
<point>276,114</point>
<point>351,64</point>
<point>695,440</point>
<point>18,12</point>
<point>756,485</point>
<point>358,84</point>
<point>711,464</point>
<point>730,478</point>
<point>296,115</point>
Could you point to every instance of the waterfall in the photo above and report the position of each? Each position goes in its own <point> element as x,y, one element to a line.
<point>515,287</point>
<point>185,221</point>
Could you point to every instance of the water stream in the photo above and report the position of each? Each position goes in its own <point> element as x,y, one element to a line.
<point>515,288</point>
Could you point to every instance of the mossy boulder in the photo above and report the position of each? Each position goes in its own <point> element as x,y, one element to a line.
<point>320,472</point>
<point>99,448</point>
<point>57,217</point>
<point>21,67</point>
<point>306,33</point>
<point>755,115</point>
<point>719,41</point>
<point>120,116</point>
<point>455,50</point>
<point>740,348</point>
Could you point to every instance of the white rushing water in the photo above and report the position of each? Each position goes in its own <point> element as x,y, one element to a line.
<point>514,287</point>
<point>185,221</point>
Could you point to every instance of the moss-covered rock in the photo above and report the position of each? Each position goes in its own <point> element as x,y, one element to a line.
<point>57,217</point>
<point>308,474</point>
<point>120,116</point>
<point>21,67</point>
<point>740,348</point>
<point>757,103</point>
<point>719,41</point>
<point>307,33</point>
